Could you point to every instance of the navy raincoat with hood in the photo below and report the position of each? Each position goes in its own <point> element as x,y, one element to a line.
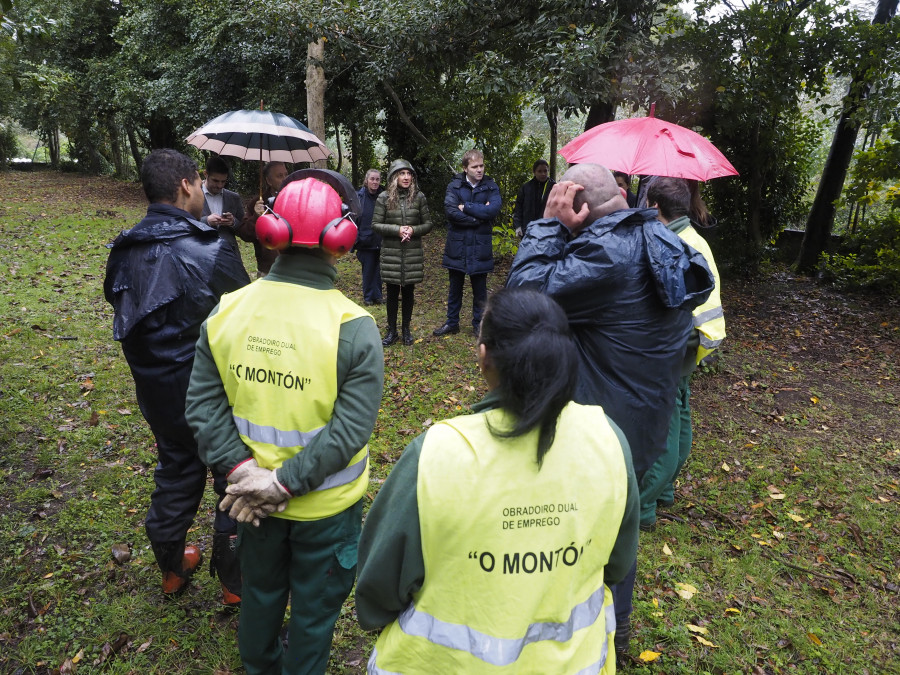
<point>628,286</point>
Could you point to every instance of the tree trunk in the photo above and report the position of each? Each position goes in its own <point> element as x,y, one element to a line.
<point>553,121</point>
<point>315,92</point>
<point>600,113</point>
<point>115,146</point>
<point>161,131</point>
<point>821,215</point>
<point>340,152</point>
<point>135,151</point>
<point>354,156</point>
<point>53,146</point>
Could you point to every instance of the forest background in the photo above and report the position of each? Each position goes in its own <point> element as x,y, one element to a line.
<point>785,555</point>
<point>787,89</point>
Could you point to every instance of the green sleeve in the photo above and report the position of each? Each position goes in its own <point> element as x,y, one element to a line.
<point>391,566</point>
<point>379,216</point>
<point>208,413</point>
<point>424,225</point>
<point>624,551</point>
<point>360,372</point>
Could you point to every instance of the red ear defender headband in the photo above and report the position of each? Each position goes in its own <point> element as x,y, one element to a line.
<point>315,208</point>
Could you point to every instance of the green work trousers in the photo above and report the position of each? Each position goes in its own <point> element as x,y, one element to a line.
<point>658,484</point>
<point>311,562</point>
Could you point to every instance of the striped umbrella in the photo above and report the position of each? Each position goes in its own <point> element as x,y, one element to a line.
<point>259,135</point>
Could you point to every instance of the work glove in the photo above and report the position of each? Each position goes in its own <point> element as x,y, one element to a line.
<point>245,506</point>
<point>260,486</point>
<point>246,509</point>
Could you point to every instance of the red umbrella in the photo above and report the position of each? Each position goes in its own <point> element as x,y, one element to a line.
<point>648,146</point>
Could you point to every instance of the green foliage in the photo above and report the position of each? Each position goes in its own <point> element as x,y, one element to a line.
<point>9,142</point>
<point>510,170</point>
<point>752,106</point>
<point>869,256</point>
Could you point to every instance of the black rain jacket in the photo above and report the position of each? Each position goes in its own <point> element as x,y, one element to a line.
<point>163,278</point>
<point>628,285</point>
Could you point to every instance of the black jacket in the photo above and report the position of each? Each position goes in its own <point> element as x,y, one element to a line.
<point>163,278</point>
<point>530,202</point>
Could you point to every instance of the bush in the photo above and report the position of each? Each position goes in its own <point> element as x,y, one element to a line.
<point>9,143</point>
<point>870,258</point>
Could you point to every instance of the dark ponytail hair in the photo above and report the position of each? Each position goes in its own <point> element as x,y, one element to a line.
<point>529,344</point>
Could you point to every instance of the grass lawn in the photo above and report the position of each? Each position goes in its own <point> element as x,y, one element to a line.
<point>781,553</point>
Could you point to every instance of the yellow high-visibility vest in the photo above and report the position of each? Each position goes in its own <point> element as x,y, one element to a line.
<point>275,346</point>
<point>709,319</point>
<point>514,556</point>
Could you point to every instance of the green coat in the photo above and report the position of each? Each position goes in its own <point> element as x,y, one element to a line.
<point>402,263</point>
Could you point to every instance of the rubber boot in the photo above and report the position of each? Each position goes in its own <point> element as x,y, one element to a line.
<point>390,337</point>
<point>407,336</point>
<point>621,641</point>
<point>177,563</point>
<point>224,564</point>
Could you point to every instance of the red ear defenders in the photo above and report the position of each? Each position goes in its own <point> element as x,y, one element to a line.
<point>315,208</point>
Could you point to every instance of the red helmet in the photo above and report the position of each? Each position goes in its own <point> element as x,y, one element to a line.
<point>313,210</point>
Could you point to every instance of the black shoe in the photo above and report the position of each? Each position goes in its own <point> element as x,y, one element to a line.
<point>446,329</point>
<point>407,337</point>
<point>390,338</point>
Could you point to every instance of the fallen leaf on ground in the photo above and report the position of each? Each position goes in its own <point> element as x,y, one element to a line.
<point>732,610</point>
<point>666,549</point>
<point>686,591</point>
<point>647,656</point>
<point>704,641</point>
<point>697,629</point>
<point>796,518</point>
<point>814,639</point>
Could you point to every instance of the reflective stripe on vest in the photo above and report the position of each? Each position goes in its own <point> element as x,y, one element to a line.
<point>708,318</point>
<point>498,651</point>
<point>281,412</point>
<point>528,544</point>
<point>272,435</point>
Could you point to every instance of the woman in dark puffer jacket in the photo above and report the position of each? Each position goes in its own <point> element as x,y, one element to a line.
<point>401,218</point>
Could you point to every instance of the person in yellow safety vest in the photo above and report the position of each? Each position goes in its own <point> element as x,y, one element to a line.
<point>490,545</point>
<point>672,198</point>
<point>283,397</point>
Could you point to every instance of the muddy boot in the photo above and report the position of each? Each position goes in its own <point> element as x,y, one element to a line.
<point>177,563</point>
<point>407,336</point>
<point>225,565</point>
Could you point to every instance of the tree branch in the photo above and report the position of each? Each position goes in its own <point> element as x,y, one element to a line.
<point>408,122</point>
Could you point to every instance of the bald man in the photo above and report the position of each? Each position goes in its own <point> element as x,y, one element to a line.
<point>628,286</point>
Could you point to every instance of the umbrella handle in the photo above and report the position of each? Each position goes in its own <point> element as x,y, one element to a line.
<point>686,153</point>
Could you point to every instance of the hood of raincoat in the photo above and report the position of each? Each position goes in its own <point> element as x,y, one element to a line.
<point>396,166</point>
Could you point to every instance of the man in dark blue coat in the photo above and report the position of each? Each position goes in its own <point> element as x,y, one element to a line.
<point>471,204</point>
<point>368,241</point>
<point>163,278</point>
<point>628,287</point>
